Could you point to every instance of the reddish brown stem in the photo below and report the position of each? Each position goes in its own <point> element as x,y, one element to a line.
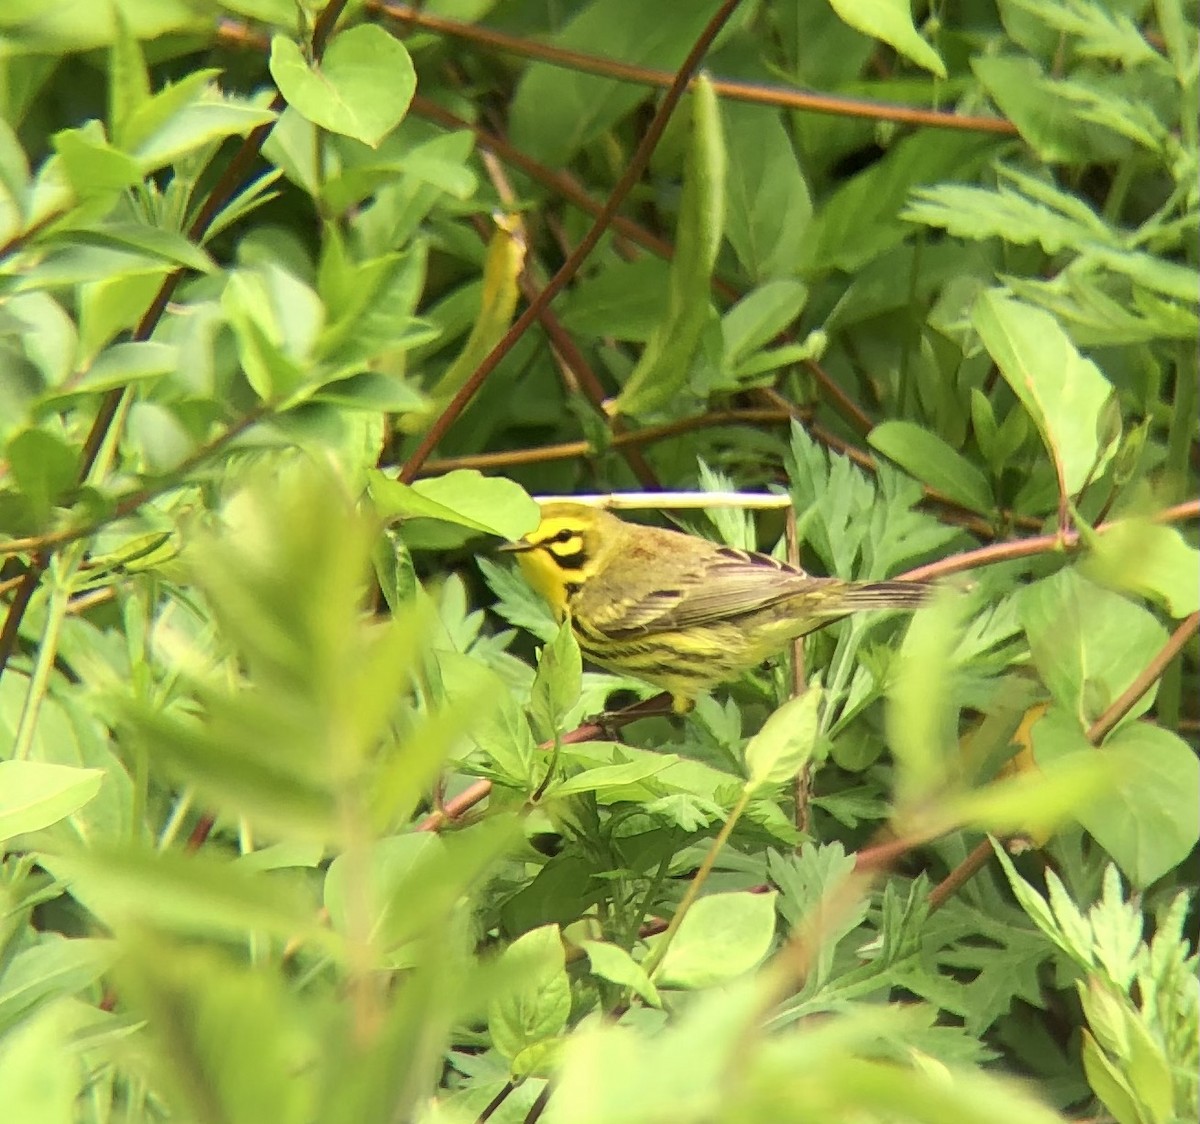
<point>781,97</point>
<point>568,450</point>
<point>1027,548</point>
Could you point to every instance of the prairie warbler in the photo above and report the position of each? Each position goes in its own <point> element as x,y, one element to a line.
<point>682,613</point>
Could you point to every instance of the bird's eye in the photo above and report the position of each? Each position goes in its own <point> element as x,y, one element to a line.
<point>564,536</point>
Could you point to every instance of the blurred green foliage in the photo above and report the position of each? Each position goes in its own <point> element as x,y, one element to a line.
<point>259,680</point>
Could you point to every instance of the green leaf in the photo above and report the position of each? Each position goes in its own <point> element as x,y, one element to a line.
<point>553,114</point>
<point>769,202</point>
<point>76,263</point>
<point>1149,823</point>
<point>40,1074</point>
<point>93,167</point>
<point>665,364</point>
<point>51,339</point>
<point>197,895</point>
<point>1065,394</point>
<point>276,320</point>
<point>1087,643</point>
<point>626,301</point>
<point>154,241</point>
<point>113,305</point>
<point>891,21</point>
<point>54,969</point>
<point>1075,942</point>
<point>14,182</point>
<point>163,108</point>
<point>371,305</point>
<point>921,719</point>
<point>1167,277</point>
<point>128,79</point>
<point>786,741</point>
<point>1072,119</point>
<point>123,363</point>
<point>979,213</point>
<point>613,963</point>
<point>409,886</point>
<point>224,1039</point>
<point>160,436</point>
<point>465,497</point>
<point>371,391</point>
<point>534,1000</point>
<point>759,317</point>
<point>861,219</point>
<point>925,456</point>
<point>504,735</point>
<point>361,88</point>
<point>35,794</point>
<point>1034,802</point>
<point>44,467</point>
<point>722,937</point>
<point>1149,1068</point>
<point>239,756</point>
<point>1121,1031</point>
<point>193,128</point>
<point>557,684</point>
<point>1109,1084</point>
<point>613,778</point>
<point>360,900</point>
<point>1148,559</point>
<point>1100,32</point>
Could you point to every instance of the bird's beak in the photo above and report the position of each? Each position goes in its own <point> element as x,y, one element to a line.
<point>517,547</point>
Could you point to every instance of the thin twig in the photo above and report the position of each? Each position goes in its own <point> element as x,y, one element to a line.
<point>560,182</point>
<point>1037,544</point>
<point>781,97</point>
<point>570,450</point>
<point>1150,675</point>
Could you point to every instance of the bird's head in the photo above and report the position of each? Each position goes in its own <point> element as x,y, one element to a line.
<point>567,547</point>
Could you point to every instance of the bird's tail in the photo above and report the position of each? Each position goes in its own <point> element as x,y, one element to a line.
<point>883,595</point>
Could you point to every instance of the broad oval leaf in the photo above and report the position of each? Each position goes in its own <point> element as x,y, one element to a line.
<point>1065,394</point>
<point>785,743</point>
<point>535,997</point>
<point>722,936</point>
<point>361,88</point>
<point>465,497</point>
<point>1148,823</point>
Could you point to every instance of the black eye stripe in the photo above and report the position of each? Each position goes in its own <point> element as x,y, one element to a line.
<point>563,538</point>
<point>572,560</point>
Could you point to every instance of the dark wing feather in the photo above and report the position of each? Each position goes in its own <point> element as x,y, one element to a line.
<point>724,586</point>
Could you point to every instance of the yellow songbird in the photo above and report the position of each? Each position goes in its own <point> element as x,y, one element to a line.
<point>682,613</point>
